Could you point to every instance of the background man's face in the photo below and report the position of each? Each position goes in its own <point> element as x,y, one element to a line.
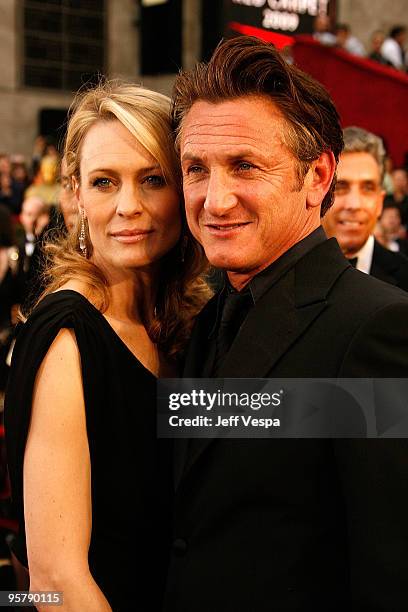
<point>30,211</point>
<point>358,202</point>
<point>391,220</point>
<point>400,180</point>
<point>242,196</point>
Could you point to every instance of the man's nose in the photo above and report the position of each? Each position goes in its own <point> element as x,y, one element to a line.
<point>220,198</point>
<point>353,198</point>
<point>128,201</point>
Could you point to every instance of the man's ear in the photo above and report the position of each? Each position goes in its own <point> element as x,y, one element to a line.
<point>320,176</point>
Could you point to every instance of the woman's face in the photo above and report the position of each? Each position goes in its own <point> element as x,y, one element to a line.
<point>133,215</point>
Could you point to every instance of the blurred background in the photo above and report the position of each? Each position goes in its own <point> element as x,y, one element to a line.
<point>50,48</point>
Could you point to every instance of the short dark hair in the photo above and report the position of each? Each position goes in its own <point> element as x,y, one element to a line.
<point>391,204</point>
<point>342,27</point>
<point>245,66</point>
<point>397,30</point>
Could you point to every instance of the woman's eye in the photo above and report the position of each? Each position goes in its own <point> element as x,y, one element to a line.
<point>101,182</point>
<point>155,180</point>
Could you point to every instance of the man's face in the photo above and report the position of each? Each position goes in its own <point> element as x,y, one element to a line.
<point>400,180</point>
<point>29,213</point>
<point>242,196</point>
<point>391,220</point>
<point>358,202</point>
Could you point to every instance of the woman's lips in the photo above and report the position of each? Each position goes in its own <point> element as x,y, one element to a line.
<point>130,236</point>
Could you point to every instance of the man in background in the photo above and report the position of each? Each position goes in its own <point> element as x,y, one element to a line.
<point>358,204</point>
<point>393,47</point>
<point>34,218</point>
<point>348,42</point>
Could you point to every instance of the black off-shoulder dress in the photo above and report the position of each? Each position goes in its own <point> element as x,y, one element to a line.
<point>130,468</point>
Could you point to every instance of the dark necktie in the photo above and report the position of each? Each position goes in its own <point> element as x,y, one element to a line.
<point>353,261</point>
<point>234,311</point>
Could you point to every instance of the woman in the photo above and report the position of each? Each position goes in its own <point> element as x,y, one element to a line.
<point>90,481</point>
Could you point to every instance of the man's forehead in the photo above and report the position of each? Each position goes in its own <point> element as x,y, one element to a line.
<point>358,165</point>
<point>248,119</point>
<point>232,109</point>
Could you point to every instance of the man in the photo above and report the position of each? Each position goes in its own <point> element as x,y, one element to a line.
<point>357,206</point>
<point>400,193</point>
<point>322,30</point>
<point>345,40</point>
<point>377,40</point>
<point>34,217</point>
<point>393,47</point>
<point>390,232</point>
<point>295,524</point>
<point>67,202</point>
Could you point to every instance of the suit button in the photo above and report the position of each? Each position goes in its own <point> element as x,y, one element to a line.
<point>179,547</point>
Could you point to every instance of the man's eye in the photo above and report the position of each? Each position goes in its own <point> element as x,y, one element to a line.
<point>194,170</point>
<point>101,182</point>
<point>341,188</point>
<point>244,166</point>
<point>154,180</point>
<point>369,188</point>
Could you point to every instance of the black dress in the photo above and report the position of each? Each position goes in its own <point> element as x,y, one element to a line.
<point>131,469</point>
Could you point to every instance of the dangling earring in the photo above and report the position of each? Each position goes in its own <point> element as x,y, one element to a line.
<point>82,239</point>
<point>183,247</point>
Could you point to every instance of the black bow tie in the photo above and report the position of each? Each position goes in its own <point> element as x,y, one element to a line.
<point>353,261</point>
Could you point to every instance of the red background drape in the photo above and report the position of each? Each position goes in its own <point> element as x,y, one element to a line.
<point>366,94</point>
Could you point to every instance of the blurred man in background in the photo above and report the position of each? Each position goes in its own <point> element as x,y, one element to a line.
<point>358,205</point>
<point>393,47</point>
<point>67,202</point>
<point>348,42</point>
<point>390,232</point>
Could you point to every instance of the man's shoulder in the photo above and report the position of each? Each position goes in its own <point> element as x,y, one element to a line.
<point>390,266</point>
<point>392,257</point>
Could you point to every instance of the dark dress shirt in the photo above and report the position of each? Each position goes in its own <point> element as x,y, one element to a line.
<point>251,293</point>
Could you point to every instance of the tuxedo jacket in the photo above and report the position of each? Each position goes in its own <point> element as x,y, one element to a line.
<point>298,524</point>
<point>389,266</point>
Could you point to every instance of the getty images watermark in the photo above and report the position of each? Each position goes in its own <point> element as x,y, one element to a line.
<point>208,401</point>
<point>282,408</point>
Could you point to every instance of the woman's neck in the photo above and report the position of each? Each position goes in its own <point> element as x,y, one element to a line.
<point>132,297</point>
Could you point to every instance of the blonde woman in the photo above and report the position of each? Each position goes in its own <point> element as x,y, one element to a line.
<point>91,484</point>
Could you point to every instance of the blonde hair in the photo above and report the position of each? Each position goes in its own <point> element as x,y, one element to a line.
<point>182,291</point>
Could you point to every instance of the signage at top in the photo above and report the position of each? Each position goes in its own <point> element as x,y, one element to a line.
<point>285,16</point>
<point>310,7</point>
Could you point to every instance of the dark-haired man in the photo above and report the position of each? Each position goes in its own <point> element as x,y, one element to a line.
<point>299,524</point>
<point>357,206</point>
<point>393,47</point>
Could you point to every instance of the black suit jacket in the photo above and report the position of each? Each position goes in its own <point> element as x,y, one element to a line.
<point>298,524</point>
<point>389,267</point>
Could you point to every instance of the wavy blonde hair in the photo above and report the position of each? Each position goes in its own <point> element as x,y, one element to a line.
<point>182,291</point>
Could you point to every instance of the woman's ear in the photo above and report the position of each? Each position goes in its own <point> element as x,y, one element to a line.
<point>76,190</point>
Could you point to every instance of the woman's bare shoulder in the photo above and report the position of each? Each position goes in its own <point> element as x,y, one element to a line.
<point>78,286</point>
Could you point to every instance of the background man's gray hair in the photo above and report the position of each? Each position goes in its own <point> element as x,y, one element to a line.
<point>357,140</point>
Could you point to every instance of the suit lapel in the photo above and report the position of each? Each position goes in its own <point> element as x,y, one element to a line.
<point>281,316</point>
<point>384,265</point>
